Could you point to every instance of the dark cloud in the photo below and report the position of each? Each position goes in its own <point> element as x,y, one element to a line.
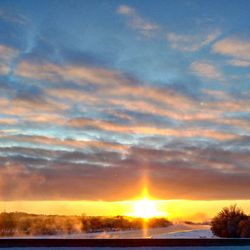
<point>187,173</point>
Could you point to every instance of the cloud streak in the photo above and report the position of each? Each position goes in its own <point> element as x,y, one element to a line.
<point>56,73</point>
<point>7,54</point>
<point>136,22</point>
<point>191,43</point>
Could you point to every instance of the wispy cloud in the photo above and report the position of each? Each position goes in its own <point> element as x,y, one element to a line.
<point>191,43</point>
<point>137,22</point>
<point>142,129</point>
<point>55,143</point>
<point>13,17</point>
<point>7,54</point>
<point>78,74</point>
<point>207,70</point>
<point>114,94</point>
<point>39,109</point>
<point>239,63</point>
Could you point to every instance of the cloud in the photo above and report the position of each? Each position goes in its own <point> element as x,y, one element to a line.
<point>123,99</point>
<point>76,144</point>
<point>137,22</point>
<point>7,54</point>
<point>183,173</point>
<point>79,74</point>
<point>239,123</point>
<point>120,90</point>
<point>191,43</point>
<point>33,108</point>
<point>8,121</point>
<point>239,63</point>
<point>233,47</point>
<point>115,93</point>
<point>126,10</point>
<point>11,16</point>
<point>3,102</point>
<point>150,130</point>
<point>207,70</point>
<point>74,95</point>
<point>230,105</point>
<point>217,94</point>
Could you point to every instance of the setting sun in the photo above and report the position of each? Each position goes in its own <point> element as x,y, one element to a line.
<point>146,209</point>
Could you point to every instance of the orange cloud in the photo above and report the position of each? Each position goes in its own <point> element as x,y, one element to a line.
<point>150,130</point>
<point>116,92</point>
<point>40,110</point>
<point>8,121</point>
<point>79,74</point>
<point>207,70</point>
<point>233,47</point>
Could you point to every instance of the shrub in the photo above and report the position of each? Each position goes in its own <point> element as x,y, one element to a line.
<point>244,227</point>
<point>159,222</point>
<point>7,224</point>
<point>226,223</point>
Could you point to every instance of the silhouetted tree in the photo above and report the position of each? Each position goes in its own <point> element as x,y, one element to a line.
<point>226,223</point>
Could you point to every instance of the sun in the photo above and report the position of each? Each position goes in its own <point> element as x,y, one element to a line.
<point>146,209</point>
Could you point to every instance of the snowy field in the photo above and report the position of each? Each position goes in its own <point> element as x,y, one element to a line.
<point>187,234</point>
<point>172,232</point>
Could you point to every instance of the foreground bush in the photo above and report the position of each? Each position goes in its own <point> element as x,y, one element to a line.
<point>7,224</point>
<point>230,222</point>
<point>244,227</point>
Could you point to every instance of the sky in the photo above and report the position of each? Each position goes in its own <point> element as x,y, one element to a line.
<point>99,99</point>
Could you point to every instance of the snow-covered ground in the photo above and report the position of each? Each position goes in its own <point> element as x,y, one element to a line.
<point>188,234</point>
<point>174,231</point>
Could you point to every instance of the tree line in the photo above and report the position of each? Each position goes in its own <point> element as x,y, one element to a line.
<point>22,224</point>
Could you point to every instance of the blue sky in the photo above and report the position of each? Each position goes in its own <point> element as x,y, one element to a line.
<point>93,91</point>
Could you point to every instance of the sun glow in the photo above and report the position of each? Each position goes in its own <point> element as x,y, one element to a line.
<point>146,209</point>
